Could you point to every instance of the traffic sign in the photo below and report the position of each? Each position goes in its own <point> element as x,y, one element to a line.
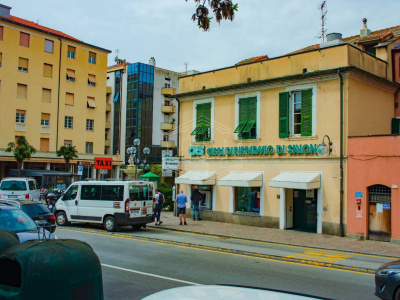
<point>170,163</point>
<point>80,170</point>
<point>103,163</point>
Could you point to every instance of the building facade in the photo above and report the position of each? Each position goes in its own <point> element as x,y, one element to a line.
<point>53,92</point>
<point>267,139</point>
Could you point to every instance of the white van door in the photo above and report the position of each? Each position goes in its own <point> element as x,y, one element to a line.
<point>34,190</point>
<point>141,200</point>
<point>71,202</point>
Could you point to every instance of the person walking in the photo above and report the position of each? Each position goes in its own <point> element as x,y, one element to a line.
<point>159,205</point>
<point>181,200</point>
<point>196,197</point>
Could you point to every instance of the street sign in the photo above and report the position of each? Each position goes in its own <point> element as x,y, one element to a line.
<point>103,171</point>
<point>103,163</point>
<point>80,170</point>
<point>166,173</point>
<point>166,153</point>
<point>170,163</point>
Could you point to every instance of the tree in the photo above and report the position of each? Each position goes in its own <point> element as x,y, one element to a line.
<point>222,9</point>
<point>68,152</point>
<point>22,150</point>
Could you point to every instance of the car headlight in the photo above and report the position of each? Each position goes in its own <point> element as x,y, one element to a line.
<point>388,272</point>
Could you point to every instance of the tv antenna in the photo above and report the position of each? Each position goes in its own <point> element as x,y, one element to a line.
<point>116,57</point>
<point>186,64</point>
<point>324,11</point>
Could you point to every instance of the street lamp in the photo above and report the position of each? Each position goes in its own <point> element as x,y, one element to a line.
<point>323,149</point>
<point>134,157</point>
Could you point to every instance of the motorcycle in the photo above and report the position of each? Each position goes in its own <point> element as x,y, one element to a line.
<point>51,198</point>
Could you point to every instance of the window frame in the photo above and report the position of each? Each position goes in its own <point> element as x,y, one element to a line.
<point>28,39</point>
<point>68,122</point>
<point>92,59</point>
<point>247,128</point>
<point>71,54</point>
<point>22,68</point>
<point>89,124</point>
<point>20,118</point>
<point>210,131</point>
<point>48,42</point>
<point>238,136</point>
<point>86,147</point>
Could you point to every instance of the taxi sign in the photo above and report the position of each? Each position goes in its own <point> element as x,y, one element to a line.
<point>103,163</point>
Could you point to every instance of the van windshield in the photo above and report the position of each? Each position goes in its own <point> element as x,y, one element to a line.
<point>139,193</point>
<point>13,185</point>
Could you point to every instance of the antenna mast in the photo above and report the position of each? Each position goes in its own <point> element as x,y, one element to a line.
<point>324,11</point>
<point>186,64</point>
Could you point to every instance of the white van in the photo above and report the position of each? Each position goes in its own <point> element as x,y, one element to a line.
<point>111,203</point>
<point>19,188</point>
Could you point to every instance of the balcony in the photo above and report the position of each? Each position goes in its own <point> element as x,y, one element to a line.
<point>109,90</point>
<point>168,109</point>
<point>167,91</point>
<point>20,127</point>
<point>167,126</point>
<point>167,144</point>
<point>107,143</point>
<point>108,124</point>
<point>45,129</point>
<point>108,107</point>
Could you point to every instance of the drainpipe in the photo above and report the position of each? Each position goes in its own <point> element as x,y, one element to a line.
<point>341,229</point>
<point>58,96</point>
<point>177,152</point>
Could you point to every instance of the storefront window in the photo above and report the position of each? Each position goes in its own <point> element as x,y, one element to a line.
<point>206,191</point>
<point>248,199</point>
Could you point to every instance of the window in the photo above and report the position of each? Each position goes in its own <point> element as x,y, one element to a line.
<point>70,75</point>
<point>92,58</point>
<point>47,70</point>
<point>92,80</point>
<point>202,132</point>
<point>69,99</point>
<point>296,113</point>
<point>48,46</point>
<point>68,122</point>
<point>89,125</point>
<point>24,39</point>
<point>20,116</point>
<point>370,49</point>
<point>247,127</point>
<point>46,95</point>
<point>1,58</point>
<point>89,148</point>
<point>395,126</point>
<point>45,121</point>
<point>1,32</point>
<point>167,85</point>
<point>67,142</point>
<point>247,199</point>
<point>90,102</point>
<point>22,90</point>
<point>44,144</point>
<point>23,64</point>
<point>71,52</point>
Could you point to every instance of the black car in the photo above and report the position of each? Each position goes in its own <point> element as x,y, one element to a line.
<point>387,281</point>
<point>36,210</point>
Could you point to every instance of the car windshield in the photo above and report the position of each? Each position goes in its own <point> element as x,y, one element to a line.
<point>35,209</point>
<point>13,185</point>
<point>16,220</point>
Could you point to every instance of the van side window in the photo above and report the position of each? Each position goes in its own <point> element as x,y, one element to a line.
<point>138,193</point>
<point>90,192</point>
<point>71,193</point>
<point>31,184</point>
<point>112,192</point>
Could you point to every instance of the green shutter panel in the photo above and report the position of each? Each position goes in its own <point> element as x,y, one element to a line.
<point>207,114</point>
<point>284,114</point>
<point>242,115</point>
<point>199,119</point>
<point>395,126</point>
<point>251,114</point>
<point>306,112</point>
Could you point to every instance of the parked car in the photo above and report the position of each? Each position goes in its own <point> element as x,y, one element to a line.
<point>36,210</point>
<point>19,188</point>
<point>14,219</point>
<point>387,281</point>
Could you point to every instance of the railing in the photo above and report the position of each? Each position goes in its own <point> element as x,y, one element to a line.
<point>167,144</point>
<point>45,129</point>
<point>107,143</point>
<point>108,107</point>
<point>108,125</point>
<point>20,127</point>
<point>109,90</point>
<point>167,126</point>
<point>168,91</point>
<point>168,109</point>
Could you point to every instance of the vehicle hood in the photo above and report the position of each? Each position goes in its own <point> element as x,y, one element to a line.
<point>391,265</point>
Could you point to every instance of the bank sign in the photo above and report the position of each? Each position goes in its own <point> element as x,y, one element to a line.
<point>254,150</point>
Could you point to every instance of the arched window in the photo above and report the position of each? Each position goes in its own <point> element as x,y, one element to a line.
<point>379,193</point>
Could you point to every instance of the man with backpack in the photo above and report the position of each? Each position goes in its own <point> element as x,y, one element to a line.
<point>196,198</point>
<point>159,205</point>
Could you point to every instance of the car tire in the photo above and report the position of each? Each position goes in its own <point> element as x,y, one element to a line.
<point>61,219</point>
<point>110,224</point>
<point>136,226</point>
<point>397,295</point>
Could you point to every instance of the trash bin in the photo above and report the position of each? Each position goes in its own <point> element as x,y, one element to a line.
<point>60,269</point>
<point>7,239</point>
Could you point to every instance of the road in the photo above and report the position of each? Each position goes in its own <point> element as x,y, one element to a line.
<point>138,263</point>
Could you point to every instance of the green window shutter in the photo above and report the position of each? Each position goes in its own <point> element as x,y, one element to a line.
<point>251,114</point>
<point>284,114</point>
<point>207,114</point>
<point>395,126</point>
<point>199,119</point>
<point>242,115</point>
<point>306,112</point>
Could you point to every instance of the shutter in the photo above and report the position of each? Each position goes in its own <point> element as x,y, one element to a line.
<point>46,95</point>
<point>1,33</point>
<point>24,39</point>
<point>23,63</point>
<point>21,90</point>
<point>306,112</point>
<point>71,73</point>
<point>242,115</point>
<point>395,126</point>
<point>199,119</point>
<point>71,49</point>
<point>47,70</point>
<point>284,114</point>
<point>44,144</point>
<point>92,78</point>
<point>91,103</point>
<point>206,118</point>
<point>45,117</point>
<point>48,46</point>
<point>69,99</point>
<point>1,58</point>
<point>251,114</point>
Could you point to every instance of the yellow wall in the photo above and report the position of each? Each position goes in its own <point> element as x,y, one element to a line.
<point>34,79</point>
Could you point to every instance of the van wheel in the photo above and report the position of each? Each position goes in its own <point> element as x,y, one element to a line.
<point>110,224</point>
<point>61,219</point>
<point>136,226</point>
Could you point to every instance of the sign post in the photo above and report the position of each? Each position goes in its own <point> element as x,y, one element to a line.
<point>166,153</point>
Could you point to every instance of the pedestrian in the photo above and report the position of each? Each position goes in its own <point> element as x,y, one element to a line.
<point>159,205</point>
<point>196,197</point>
<point>181,200</point>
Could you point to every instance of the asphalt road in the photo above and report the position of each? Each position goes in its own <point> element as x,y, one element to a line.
<point>139,263</point>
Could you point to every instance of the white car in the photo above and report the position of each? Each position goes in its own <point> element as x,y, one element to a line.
<point>19,188</point>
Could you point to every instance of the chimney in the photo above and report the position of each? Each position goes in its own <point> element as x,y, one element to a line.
<point>5,11</point>
<point>365,31</point>
<point>152,61</point>
<point>332,39</point>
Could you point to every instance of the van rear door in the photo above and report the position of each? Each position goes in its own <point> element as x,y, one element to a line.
<point>141,205</point>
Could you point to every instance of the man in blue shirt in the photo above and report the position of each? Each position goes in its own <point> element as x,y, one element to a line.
<point>181,200</point>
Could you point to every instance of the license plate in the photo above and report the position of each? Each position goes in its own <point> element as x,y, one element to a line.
<point>12,196</point>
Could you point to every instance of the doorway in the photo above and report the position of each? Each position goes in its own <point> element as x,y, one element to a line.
<point>379,226</point>
<point>305,210</point>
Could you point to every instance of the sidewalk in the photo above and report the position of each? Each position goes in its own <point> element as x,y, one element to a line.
<point>279,236</point>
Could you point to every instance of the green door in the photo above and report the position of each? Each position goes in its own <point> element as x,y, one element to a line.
<point>304,211</point>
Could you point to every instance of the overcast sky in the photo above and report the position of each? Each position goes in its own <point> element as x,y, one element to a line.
<point>140,29</point>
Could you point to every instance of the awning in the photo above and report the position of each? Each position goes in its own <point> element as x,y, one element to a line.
<point>91,103</point>
<point>239,178</point>
<point>297,180</point>
<point>116,97</point>
<point>197,177</point>
<point>71,73</point>
<point>92,78</point>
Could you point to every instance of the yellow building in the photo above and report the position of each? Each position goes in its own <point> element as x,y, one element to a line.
<point>255,137</point>
<point>53,91</point>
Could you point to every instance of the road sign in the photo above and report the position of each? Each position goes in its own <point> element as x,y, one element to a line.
<point>80,170</point>
<point>103,163</point>
<point>103,171</point>
<point>170,163</point>
<point>166,153</point>
<point>166,173</point>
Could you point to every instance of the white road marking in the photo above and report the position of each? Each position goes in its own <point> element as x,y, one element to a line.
<point>149,274</point>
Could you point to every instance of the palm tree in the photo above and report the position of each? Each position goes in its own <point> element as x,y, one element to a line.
<point>22,150</point>
<point>68,152</point>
